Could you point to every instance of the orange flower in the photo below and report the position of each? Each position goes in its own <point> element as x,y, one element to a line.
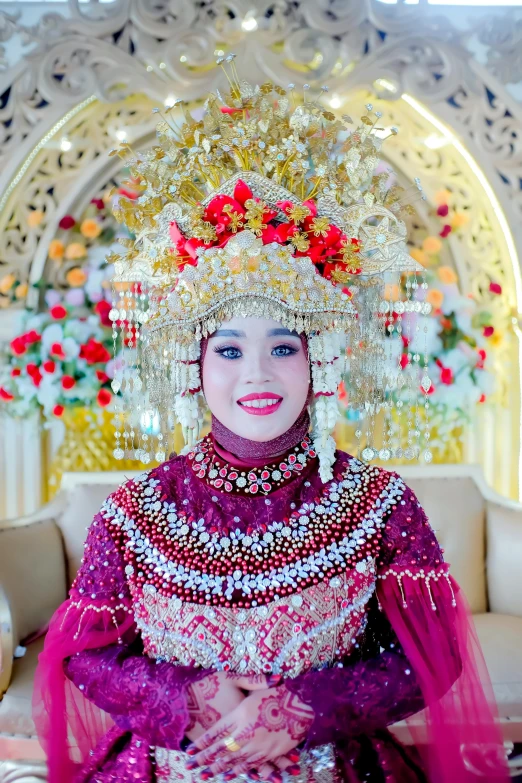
<point>6,283</point>
<point>391,292</point>
<point>74,251</point>
<point>435,298</point>
<point>21,290</point>
<point>76,277</point>
<point>90,228</point>
<point>442,196</point>
<point>431,245</point>
<point>459,219</point>
<point>56,250</point>
<point>34,218</point>
<point>446,275</point>
<point>420,256</point>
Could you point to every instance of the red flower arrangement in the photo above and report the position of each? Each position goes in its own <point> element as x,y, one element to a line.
<point>324,243</point>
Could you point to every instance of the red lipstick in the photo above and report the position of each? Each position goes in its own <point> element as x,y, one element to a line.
<point>273,403</point>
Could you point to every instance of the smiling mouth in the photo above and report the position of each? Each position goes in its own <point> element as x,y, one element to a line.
<point>261,406</point>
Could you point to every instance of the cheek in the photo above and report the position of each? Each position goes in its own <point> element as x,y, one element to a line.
<point>294,373</point>
<point>218,380</point>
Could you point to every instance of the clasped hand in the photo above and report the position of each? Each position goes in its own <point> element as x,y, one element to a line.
<point>268,724</point>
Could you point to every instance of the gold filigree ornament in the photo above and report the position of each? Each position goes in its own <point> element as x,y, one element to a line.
<point>265,206</point>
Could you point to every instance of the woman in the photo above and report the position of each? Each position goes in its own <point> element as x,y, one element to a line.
<point>261,604</point>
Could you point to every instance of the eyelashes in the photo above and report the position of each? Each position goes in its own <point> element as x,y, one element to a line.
<point>227,348</point>
<point>231,352</point>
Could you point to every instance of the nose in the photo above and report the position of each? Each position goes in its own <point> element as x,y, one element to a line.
<point>257,369</point>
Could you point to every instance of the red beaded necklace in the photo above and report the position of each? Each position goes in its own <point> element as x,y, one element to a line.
<point>210,467</point>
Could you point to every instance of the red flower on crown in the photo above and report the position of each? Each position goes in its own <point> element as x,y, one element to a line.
<point>312,236</point>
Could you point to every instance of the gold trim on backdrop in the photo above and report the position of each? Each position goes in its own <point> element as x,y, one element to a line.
<point>62,122</point>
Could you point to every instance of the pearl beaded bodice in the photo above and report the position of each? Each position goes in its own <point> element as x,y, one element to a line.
<point>281,596</point>
<point>307,630</point>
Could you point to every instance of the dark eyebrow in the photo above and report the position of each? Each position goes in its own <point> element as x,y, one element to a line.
<point>278,332</point>
<point>281,331</point>
<point>228,333</point>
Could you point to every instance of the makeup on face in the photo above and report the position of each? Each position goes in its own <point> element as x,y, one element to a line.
<point>256,377</point>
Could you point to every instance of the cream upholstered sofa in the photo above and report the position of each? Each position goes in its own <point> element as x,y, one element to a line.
<point>480,531</point>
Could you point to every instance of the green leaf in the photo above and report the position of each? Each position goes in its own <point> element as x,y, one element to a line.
<point>108,234</point>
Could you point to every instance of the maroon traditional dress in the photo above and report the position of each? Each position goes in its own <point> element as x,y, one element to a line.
<point>201,565</point>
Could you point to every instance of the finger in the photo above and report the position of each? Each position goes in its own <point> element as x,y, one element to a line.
<point>207,757</point>
<point>279,765</point>
<point>286,764</point>
<point>223,728</point>
<point>243,763</point>
<point>292,757</point>
<point>263,772</point>
<point>257,682</point>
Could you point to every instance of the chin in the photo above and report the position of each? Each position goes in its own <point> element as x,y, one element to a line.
<point>259,434</point>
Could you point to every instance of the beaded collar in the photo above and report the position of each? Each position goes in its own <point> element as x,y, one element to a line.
<point>207,465</point>
<point>164,545</point>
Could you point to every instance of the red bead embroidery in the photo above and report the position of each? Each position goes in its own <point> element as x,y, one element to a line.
<point>208,466</point>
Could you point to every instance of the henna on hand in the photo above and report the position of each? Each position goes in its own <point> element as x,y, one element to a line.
<point>208,701</point>
<point>200,711</point>
<point>268,724</point>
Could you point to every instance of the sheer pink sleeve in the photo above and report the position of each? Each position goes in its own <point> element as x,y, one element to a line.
<point>457,732</point>
<point>419,660</point>
<point>92,674</point>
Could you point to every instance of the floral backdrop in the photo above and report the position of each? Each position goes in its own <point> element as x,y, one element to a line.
<point>460,337</point>
<point>63,354</point>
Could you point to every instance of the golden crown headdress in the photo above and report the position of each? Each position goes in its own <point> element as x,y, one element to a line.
<point>264,205</point>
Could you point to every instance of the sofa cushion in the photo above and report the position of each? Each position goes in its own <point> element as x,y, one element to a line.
<point>500,636</point>
<point>505,558</point>
<point>15,707</point>
<point>83,502</point>
<point>459,524</point>
<point>32,574</point>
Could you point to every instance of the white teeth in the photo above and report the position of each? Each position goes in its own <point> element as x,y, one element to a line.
<point>259,403</point>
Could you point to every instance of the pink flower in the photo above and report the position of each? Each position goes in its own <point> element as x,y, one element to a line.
<point>57,351</point>
<point>58,312</point>
<point>443,210</point>
<point>67,222</point>
<point>495,288</point>
<point>446,376</point>
<point>52,298</point>
<point>94,352</point>
<point>68,382</point>
<point>103,398</point>
<point>103,309</point>
<point>34,373</point>
<point>75,297</point>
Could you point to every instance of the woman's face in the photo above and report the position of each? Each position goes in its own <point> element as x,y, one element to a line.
<point>255,377</point>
